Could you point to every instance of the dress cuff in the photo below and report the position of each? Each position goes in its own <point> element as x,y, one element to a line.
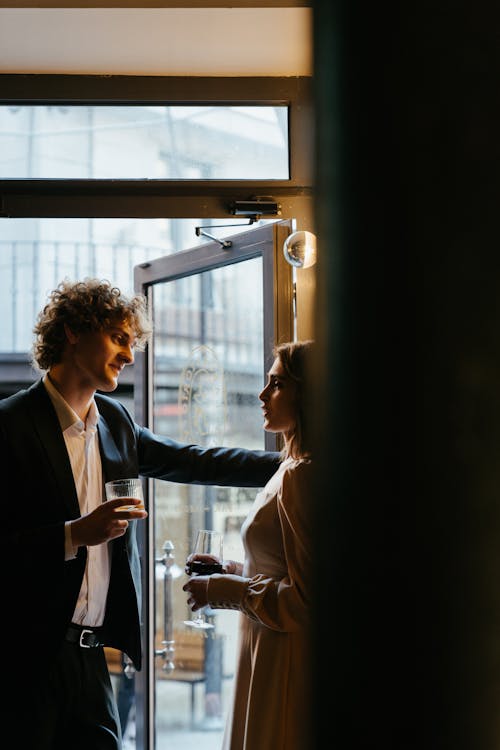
<point>226,591</point>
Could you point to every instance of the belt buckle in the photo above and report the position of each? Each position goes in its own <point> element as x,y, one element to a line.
<point>82,634</point>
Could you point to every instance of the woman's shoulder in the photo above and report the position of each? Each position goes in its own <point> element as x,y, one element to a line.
<point>297,471</point>
<point>295,492</point>
<point>298,466</point>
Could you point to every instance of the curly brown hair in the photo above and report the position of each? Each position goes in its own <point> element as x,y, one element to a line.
<point>88,305</point>
<point>296,360</point>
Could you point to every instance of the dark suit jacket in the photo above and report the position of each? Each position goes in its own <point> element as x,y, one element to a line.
<point>39,495</point>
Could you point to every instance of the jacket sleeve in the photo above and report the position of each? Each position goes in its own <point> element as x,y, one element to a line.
<point>284,604</point>
<point>167,459</point>
<point>141,451</point>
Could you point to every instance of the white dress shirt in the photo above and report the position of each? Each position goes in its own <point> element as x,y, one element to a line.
<point>82,443</point>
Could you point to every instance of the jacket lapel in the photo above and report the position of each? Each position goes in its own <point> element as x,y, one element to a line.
<point>47,427</point>
<point>112,461</point>
<point>112,468</point>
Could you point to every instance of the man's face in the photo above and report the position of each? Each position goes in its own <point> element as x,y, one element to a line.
<point>99,356</point>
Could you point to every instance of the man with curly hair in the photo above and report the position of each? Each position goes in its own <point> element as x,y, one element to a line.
<point>70,561</point>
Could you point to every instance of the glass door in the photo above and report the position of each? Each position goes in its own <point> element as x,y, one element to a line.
<point>216,317</point>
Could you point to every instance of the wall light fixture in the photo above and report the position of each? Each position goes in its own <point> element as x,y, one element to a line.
<point>299,249</point>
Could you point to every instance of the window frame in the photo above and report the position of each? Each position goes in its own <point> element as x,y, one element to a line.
<point>154,198</point>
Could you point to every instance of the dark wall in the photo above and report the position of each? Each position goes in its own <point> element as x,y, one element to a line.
<point>408,403</point>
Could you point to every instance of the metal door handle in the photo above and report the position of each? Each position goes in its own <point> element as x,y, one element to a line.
<point>167,653</point>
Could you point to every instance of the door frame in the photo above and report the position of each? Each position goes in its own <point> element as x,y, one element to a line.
<point>263,241</point>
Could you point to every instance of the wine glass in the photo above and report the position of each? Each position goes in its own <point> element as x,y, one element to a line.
<point>208,543</point>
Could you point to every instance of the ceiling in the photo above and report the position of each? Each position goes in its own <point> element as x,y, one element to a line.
<point>177,41</point>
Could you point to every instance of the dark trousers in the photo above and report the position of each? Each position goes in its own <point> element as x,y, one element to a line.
<point>125,697</point>
<point>73,706</point>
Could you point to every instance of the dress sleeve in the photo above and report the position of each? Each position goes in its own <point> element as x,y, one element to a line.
<point>283,604</point>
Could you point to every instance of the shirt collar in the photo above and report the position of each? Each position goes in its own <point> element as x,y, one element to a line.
<point>66,415</point>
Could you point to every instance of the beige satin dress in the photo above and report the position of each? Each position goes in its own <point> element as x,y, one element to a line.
<point>272,685</point>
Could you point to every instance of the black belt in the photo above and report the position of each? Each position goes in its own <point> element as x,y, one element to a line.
<point>84,637</point>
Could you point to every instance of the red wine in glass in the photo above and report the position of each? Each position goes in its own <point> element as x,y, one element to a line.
<point>200,568</point>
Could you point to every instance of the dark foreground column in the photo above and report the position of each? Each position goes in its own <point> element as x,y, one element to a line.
<point>407,399</point>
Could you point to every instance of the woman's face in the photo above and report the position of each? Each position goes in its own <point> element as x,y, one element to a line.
<point>279,401</point>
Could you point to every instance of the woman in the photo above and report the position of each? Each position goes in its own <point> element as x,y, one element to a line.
<point>271,698</point>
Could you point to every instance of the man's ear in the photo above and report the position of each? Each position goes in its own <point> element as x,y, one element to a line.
<point>72,337</point>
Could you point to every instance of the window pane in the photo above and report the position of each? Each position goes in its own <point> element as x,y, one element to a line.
<point>132,142</point>
<point>207,372</point>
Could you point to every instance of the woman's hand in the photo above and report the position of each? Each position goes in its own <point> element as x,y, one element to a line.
<point>199,557</point>
<point>232,567</point>
<point>197,588</point>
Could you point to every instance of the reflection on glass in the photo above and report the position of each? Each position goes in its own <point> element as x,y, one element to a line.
<point>137,142</point>
<point>208,370</point>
